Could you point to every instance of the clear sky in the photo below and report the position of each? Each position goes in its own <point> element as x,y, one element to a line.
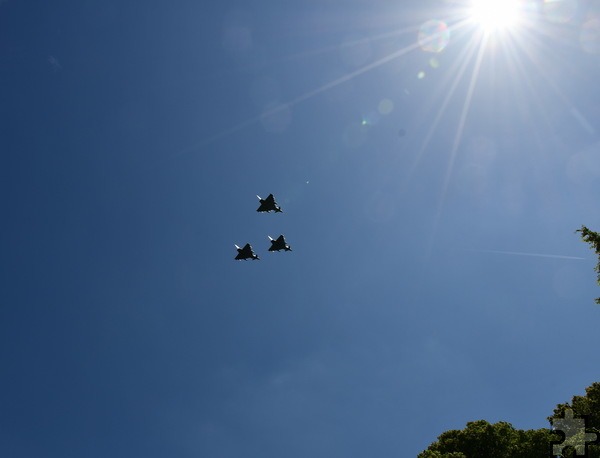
<point>431,174</point>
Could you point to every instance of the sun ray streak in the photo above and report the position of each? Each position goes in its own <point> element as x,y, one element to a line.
<point>301,98</point>
<point>457,69</point>
<point>563,98</point>
<point>333,48</point>
<point>463,116</point>
<point>458,138</point>
<point>517,68</point>
<point>513,58</point>
<point>462,61</point>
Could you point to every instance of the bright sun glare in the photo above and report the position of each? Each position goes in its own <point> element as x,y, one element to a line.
<point>495,14</point>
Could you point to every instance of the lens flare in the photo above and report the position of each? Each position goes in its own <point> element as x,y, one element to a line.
<point>434,36</point>
<point>386,106</point>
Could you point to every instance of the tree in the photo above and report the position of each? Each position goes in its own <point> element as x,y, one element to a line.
<point>593,239</point>
<point>498,440</point>
<point>483,439</point>
<point>588,407</point>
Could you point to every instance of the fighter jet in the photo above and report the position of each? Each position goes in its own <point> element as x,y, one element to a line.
<point>279,244</point>
<point>245,253</point>
<point>268,205</point>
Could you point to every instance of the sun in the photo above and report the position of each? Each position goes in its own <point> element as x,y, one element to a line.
<point>492,15</point>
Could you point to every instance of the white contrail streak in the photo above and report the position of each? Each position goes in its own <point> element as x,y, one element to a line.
<point>537,255</point>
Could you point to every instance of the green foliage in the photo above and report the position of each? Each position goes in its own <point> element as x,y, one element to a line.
<point>498,440</point>
<point>483,439</point>
<point>436,454</point>
<point>593,239</point>
<point>587,406</point>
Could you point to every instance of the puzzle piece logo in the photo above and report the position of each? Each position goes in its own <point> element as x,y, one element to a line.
<point>574,432</point>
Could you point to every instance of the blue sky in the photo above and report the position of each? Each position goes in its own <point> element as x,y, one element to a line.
<point>430,197</point>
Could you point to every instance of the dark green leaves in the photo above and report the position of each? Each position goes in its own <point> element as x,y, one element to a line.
<point>593,239</point>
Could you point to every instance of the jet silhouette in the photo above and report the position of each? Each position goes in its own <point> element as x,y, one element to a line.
<point>279,244</point>
<point>245,253</point>
<point>268,205</point>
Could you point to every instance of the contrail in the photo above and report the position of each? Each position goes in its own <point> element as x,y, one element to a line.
<point>537,255</point>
